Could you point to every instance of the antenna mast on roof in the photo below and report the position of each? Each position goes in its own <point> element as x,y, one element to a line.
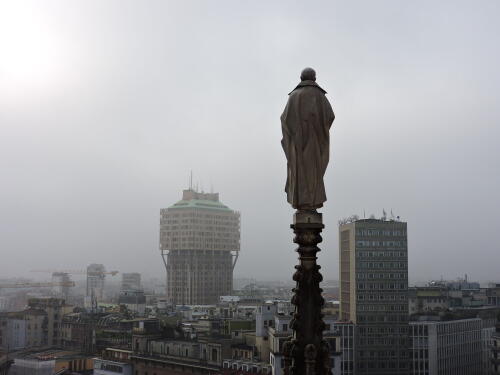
<point>191,180</point>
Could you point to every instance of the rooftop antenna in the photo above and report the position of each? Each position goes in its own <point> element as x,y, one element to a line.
<point>364,214</point>
<point>191,180</point>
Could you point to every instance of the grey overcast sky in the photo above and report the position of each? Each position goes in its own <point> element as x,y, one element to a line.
<point>105,107</point>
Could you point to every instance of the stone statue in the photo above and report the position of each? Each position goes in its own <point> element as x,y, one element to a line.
<point>305,124</point>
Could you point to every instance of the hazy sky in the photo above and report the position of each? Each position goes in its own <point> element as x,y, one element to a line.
<point>105,107</point>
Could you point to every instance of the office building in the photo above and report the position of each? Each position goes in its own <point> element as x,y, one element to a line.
<point>131,281</point>
<point>453,347</point>
<point>63,281</point>
<point>96,274</point>
<point>374,293</point>
<point>199,241</point>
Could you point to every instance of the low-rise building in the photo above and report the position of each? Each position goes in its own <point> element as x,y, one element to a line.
<point>107,367</point>
<point>427,299</point>
<point>49,362</point>
<point>452,347</point>
<point>235,366</point>
<point>264,318</point>
<point>339,335</point>
<point>55,309</point>
<point>495,351</point>
<point>134,300</point>
<point>91,333</point>
<point>5,363</point>
<point>23,330</point>
<point>493,295</point>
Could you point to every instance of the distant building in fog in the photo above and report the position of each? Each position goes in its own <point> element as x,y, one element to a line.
<point>134,300</point>
<point>200,241</point>
<point>64,281</point>
<point>131,281</point>
<point>96,275</point>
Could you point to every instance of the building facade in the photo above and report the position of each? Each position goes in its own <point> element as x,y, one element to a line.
<point>199,241</point>
<point>131,281</point>
<point>5,363</point>
<point>134,300</point>
<point>55,309</point>
<point>107,367</point>
<point>30,328</point>
<point>374,293</point>
<point>447,347</point>
<point>495,352</point>
<point>96,275</point>
<point>63,281</point>
<point>339,335</point>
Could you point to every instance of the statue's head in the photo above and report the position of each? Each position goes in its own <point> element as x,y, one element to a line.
<point>308,74</point>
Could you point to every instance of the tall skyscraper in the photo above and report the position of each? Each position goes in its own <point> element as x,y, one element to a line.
<point>374,293</point>
<point>199,241</point>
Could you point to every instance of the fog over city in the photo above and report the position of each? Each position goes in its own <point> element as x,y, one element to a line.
<point>107,107</point>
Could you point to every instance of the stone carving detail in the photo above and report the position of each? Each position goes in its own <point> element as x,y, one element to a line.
<point>306,352</point>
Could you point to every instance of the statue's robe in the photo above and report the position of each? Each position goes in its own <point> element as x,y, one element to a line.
<point>305,124</point>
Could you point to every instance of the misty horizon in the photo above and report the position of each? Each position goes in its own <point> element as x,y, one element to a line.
<point>106,108</point>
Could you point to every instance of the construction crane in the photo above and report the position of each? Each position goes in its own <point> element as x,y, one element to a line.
<point>78,272</point>
<point>37,285</point>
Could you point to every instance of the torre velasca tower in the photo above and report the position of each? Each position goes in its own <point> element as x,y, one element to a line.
<point>199,243</point>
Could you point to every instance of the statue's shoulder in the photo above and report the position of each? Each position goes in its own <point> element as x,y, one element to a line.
<point>307,86</point>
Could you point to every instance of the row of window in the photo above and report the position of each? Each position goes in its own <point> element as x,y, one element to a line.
<point>383,330</point>
<point>380,254</point>
<point>191,234</point>
<point>382,307</point>
<point>382,265</point>
<point>380,232</point>
<point>385,341</point>
<point>381,318</point>
<point>200,228</point>
<point>165,213</point>
<point>381,286</point>
<point>381,297</point>
<point>384,275</point>
<point>382,365</point>
<point>366,243</point>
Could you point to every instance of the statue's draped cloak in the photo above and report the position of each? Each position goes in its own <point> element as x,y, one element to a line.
<point>305,124</point>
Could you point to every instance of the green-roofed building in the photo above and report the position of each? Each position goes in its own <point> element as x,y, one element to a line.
<point>199,242</point>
